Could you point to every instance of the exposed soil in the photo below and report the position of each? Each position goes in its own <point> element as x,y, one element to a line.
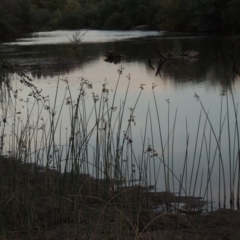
<point>44,204</point>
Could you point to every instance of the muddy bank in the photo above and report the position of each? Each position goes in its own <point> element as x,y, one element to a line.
<point>39,203</point>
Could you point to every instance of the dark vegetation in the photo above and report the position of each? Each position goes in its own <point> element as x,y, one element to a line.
<point>19,16</point>
<point>47,205</point>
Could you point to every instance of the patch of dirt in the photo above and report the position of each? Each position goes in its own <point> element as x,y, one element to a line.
<point>44,204</point>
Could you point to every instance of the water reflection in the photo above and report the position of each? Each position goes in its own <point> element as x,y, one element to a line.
<point>91,36</point>
<point>210,76</point>
<point>213,66</point>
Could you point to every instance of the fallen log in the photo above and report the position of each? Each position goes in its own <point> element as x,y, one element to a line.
<point>170,56</point>
<point>112,56</point>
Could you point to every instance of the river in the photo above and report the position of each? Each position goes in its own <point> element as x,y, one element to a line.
<point>47,57</point>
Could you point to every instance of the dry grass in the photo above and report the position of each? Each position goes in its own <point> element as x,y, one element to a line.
<point>43,204</point>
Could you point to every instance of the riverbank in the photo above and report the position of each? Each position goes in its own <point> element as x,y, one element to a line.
<point>38,203</point>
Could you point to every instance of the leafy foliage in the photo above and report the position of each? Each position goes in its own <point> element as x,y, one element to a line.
<point>177,15</point>
<point>174,15</point>
<point>208,14</point>
<point>231,15</point>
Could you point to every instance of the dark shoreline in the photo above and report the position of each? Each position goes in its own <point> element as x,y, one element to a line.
<point>52,202</point>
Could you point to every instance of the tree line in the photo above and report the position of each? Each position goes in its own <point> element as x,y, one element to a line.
<point>19,16</point>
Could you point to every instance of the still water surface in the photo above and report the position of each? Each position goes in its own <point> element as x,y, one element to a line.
<point>48,56</point>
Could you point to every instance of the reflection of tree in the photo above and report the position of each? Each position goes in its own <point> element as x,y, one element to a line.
<point>44,61</point>
<point>213,66</point>
<point>235,70</point>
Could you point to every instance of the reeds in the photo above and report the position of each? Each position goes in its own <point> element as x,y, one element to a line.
<point>87,184</point>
